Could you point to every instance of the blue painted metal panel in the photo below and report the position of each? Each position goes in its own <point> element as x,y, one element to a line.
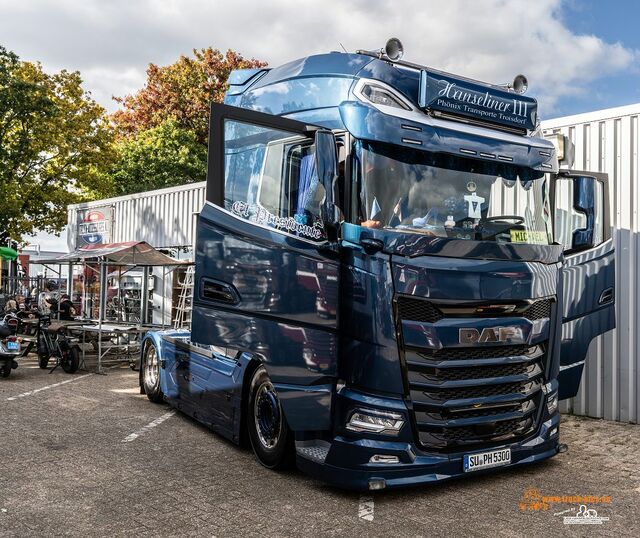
<point>287,313</point>
<point>368,123</point>
<point>585,277</point>
<point>299,94</point>
<point>368,342</point>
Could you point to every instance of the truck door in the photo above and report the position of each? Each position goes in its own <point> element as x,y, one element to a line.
<point>582,225</point>
<point>266,266</point>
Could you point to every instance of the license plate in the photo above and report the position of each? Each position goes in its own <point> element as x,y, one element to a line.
<point>486,460</point>
<point>13,346</point>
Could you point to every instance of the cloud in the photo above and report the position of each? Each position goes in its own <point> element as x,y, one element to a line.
<point>111,43</point>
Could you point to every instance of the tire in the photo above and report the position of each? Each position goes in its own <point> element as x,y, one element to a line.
<point>150,373</point>
<point>271,438</point>
<point>5,369</point>
<point>71,360</point>
<point>43,355</point>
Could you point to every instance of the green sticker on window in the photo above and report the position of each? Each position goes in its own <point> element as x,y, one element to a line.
<point>532,237</point>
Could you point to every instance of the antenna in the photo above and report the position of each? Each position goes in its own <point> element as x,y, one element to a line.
<point>342,46</point>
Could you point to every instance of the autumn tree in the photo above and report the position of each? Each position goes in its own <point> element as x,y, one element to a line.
<point>181,91</point>
<point>55,145</point>
<point>159,157</point>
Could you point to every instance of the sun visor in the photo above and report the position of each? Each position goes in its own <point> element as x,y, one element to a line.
<point>368,123</point>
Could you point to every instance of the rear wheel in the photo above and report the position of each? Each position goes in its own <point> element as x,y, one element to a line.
<point>271,438</point>
<point>43,354</point>
<point>71,360</point>
<point>150,367</point>
<point>5,369</point>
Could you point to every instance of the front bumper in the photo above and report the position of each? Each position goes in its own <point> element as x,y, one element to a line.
<point>344,461</point>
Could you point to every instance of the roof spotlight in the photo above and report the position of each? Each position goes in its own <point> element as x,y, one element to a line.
<point>393,49</point>
<point>520,84</point>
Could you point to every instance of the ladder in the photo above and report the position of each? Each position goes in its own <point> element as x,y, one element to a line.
<point>185,303</point>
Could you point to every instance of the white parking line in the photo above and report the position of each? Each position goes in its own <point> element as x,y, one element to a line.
<point>35,391</point>
<point>365,508</point>
<point>133,436</point>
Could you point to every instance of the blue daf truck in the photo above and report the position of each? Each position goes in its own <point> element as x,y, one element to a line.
<point>396,278</point>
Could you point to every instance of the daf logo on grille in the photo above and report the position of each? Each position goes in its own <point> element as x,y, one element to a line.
<point>512,335</point>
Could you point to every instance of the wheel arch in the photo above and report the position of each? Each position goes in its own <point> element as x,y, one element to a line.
<point>305,407</point>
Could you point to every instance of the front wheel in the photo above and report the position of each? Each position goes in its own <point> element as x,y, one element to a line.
<point>71,360</point>
<point>5,370</point>
<point>150,366</point>
<point>270,437</point>
<point>43,353</point>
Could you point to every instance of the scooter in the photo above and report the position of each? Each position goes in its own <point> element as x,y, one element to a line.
<point>9,347</point>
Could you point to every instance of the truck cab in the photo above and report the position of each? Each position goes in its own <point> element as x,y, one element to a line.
<point>396,280</point>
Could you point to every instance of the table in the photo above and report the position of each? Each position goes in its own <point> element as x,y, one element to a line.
<point>113,330</point>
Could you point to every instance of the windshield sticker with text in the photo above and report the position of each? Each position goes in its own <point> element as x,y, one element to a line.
<point>529,236</point>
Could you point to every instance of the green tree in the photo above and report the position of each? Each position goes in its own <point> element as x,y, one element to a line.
<point>55,145</point>
<point>182,91</point>
<point>162,156</point>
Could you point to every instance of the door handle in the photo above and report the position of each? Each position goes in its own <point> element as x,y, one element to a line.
<point>606,296</point>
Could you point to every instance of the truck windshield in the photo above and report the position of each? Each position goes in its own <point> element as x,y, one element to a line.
<point>402,189</point>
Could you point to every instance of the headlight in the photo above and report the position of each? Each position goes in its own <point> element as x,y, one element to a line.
<point>381,96</point>
<point>369,420</point>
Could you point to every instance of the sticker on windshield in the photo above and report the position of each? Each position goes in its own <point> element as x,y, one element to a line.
<point>474,204</point>
<point>529,236</point>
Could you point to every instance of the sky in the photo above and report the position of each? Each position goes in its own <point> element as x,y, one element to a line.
<point>579,55</point>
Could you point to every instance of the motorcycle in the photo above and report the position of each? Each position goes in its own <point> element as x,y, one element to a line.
<point>9,346</point>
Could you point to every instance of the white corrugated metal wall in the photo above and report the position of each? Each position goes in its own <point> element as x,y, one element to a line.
<point>607,141</point>
<point>162,218</point>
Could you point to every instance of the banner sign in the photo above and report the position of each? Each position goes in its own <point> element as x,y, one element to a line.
<point>477,101</point>
<point>94,226</point>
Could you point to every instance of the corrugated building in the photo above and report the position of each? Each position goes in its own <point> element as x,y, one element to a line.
<point>607,141</point>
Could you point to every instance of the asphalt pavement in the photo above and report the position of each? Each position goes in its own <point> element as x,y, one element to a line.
<point>87,455</point>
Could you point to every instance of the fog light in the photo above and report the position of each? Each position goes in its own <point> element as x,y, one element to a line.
<point>552,402</point>
<point>383,458</point>
<point>375,422</point>
<point>553,431</point>
<point>377,483</point>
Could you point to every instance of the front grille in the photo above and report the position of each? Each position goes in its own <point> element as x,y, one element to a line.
<point>417,309</point>
<point>414,309</point>
<point>476,372</point>
<point>490,431</point>
<point>466,398</point>
<point>479,352</point>
<point>478,391</point>
<point>538,310</point>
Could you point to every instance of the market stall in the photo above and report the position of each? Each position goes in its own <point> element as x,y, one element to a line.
<point>104,290</point>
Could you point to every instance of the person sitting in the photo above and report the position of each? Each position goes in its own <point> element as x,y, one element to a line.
<point>66,309</point>
<point>11,307</point>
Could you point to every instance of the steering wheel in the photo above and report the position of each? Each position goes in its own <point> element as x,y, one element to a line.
<point>518,219</point>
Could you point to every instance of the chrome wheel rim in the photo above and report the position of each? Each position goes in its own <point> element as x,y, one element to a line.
<point>151,367</point>
<point>267,415</point>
